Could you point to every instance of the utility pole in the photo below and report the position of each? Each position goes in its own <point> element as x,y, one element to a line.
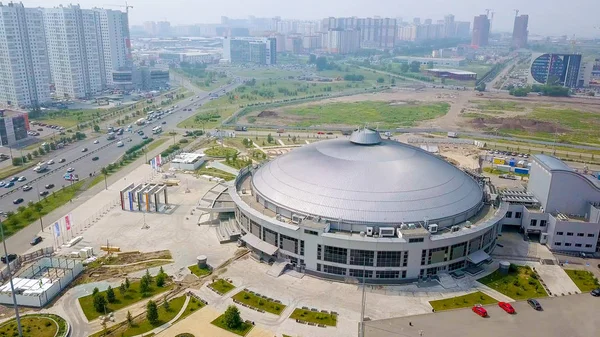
<point>12,286</point>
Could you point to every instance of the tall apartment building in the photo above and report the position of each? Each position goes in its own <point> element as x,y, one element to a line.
<point>463,29</point>
<point>75,51</point>
<point>520,32</point>
<point>259,50</point>
<point>449,26</point>
<point>24,69</point>
<point>116,45</point>
<point>342,41</point>
<point>481,31</point>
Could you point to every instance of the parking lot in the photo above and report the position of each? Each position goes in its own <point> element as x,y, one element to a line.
<point>567,316</point>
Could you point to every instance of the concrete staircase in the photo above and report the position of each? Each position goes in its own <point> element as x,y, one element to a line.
<point>228,231</point>
<point>277,268</point>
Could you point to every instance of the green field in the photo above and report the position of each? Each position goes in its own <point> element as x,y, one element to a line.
<point>359,113</point>
<point>219,151</point>
<point>130,297</point>
<point>583,279</point>
<point>242,330</point>
<point>263,72</point>
<point>211,171</point>
<point>314,317</point>
<point>498,105</point>
<point>259,303</point>
<point>33,326</point>
<point>222,286</point>
<point>199,271</point>
<point>519,284</point>
<point>193,305</point>
<point>464,301</point>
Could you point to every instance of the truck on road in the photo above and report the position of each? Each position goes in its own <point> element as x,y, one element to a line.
<point>241,128</point>
<point>41,167</point>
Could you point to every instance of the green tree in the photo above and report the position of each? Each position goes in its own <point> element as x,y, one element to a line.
<point>480,87</point>
<point>404,67</point>
<point>322,63</point>
<point>232,317</point>
<point>129,318</point>
<point>99,303</point>
<point>110,295</point>
<point>17,161</point>
<point>415,67</point>
<point>144,286</point>
<point>380,80</point>
<point>95,291</point>
<point>104,172</point>
<point>96,128</point>
<point>312,58</point>
<point>152,312</point>
<point>166,304</point>
<point>269,138</point>
<point>393,81</point>
<point>161,279</point>
<point>122,289</point>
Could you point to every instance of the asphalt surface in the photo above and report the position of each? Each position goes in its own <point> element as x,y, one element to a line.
<point>566,316</point>
<point>106,151</point>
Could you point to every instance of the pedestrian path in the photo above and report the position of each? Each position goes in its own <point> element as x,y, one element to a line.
<point>223,167</point>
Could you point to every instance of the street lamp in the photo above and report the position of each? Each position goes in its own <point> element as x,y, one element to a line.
<point>12,286</point>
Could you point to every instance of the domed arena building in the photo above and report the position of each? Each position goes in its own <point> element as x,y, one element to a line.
<point>365,207</point>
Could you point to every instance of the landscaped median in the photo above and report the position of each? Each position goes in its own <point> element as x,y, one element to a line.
<point>200,272</point>
<point>520,283</point>
<point>37,325</point>
<point>314,317</point>
<point>258,302</point>
<point>464,301</point>
<point>583,279</point>
<point>221,286</point>
<point>232,322</point>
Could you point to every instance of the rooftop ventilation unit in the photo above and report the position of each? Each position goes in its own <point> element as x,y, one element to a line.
<point>454,229</point>
<point>387,231</point>
<point>369,231</point>
<point>403,226</point>
<point>468,224</point>
<point>399,233</point>
<point>362,234</point>
<point>412,226</point>
<point>433,228</point>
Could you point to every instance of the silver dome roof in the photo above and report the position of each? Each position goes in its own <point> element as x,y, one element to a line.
<point>365,137</point>
<point>388,182</point>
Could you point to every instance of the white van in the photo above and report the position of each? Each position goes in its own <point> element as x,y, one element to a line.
<point>120,144</point>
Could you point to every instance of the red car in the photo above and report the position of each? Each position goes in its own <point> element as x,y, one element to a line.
<point>479,310</point>
<point>320,133</point>
<point>506,307</point>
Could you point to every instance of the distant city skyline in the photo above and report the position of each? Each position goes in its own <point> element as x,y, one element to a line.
<point>562,18</point>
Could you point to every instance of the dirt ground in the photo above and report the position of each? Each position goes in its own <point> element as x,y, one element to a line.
<point>461,102</point>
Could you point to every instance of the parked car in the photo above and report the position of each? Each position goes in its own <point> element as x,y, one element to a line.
<point>14,179</point>
<point>44,193</point>
<point>479,310</point>
<point>535,304</point>
<point>62,160</point>
<point>506,307</point>
<point>18,201</point>
<point>10,257</point>
<point>95,158</point>
<point>49,186</point>
<point>84,149</point>
<point>96,141</point>
<point>70,169</point>
<point>50,162</point>
<point>21,179</point>
<point>27,188</point>
<point>2,183</point>
<point>595,292</point>
<point>36,240</point>
<point>9,184</point>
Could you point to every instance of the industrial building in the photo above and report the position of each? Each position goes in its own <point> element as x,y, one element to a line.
<point>13,126</point>
<point>435,61</point>
<point>39,283</point>
<point>258,50</point>
<point>559,69</point>
<point>454,74</point>
<point>344,208</point>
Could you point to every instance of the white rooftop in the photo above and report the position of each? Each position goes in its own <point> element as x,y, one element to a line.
<point>28,286</point>
<point>452,71</point>
<point>188,158</point>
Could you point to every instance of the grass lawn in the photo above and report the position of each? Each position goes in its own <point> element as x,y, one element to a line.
<point>238,163</point>
<point>215,173</point>
<point>28,214</point>
<point>259,303</point>
<point>242,330</point>
<point>314,317</point>
<point>462,301</point>
<point>495,105</point>
<point>264,72</point>
<point>359,113</point>
<point>199,271</point>
<point>132,296</point>
<point>519,284</point>
<point>141,324</point>
<point>583,279</point>
<point>220,151</point>
<point>192,306</point>
<point>156,144</point>
<point>33,326</point>
<point>222,286</point>
<point>491,170</point>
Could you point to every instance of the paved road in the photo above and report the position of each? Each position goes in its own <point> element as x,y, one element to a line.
<point>106,151</point>
<point>567,316</point>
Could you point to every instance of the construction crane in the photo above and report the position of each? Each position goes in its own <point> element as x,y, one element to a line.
<point>126,6</point>
<point>516,12</point>
<point>487,11</point>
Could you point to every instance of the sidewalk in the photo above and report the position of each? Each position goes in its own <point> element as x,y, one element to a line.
<point>223,167</point>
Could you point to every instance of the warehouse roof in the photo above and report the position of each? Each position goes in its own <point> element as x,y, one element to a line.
<point>385,182</point>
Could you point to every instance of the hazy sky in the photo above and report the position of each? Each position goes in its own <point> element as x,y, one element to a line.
<point>551,17</point>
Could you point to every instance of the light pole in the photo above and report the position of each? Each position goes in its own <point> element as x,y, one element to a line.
<point>12,286</point>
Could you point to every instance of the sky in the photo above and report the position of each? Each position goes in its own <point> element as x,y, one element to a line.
<point>546,17</point>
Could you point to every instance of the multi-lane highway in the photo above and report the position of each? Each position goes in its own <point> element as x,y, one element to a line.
<point>106,151</point>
